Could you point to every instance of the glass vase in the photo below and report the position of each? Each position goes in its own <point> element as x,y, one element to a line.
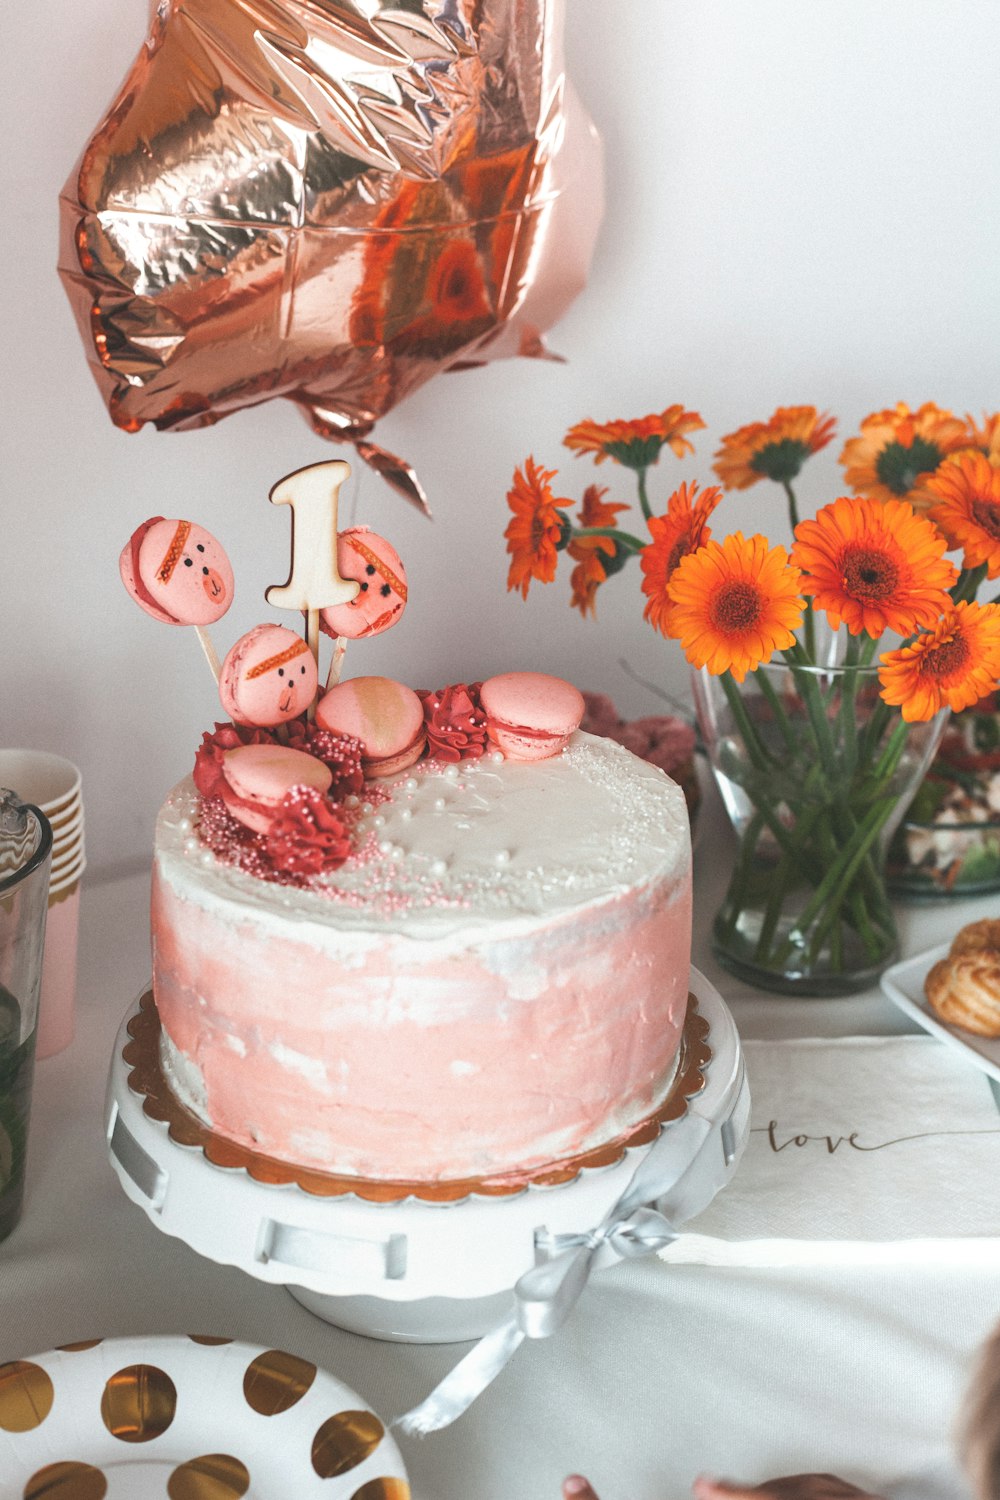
<point>815,772</point>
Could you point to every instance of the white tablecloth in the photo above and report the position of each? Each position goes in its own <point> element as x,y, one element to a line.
<point>663,1371</point>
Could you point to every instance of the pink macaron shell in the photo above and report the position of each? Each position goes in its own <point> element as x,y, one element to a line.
<point>530,715</point>
<point>386,716</point>
<point>185,571</point>
<point>268,677</point>
<point>375,564</point>
<point>128,567</point>
<point>259,777</point>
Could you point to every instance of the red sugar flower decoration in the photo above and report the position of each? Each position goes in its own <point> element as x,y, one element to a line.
<point>308,835</point>
<point>456,724</point>
<point>340,752</point>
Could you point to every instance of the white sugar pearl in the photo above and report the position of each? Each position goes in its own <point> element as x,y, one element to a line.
<point>439,804</point>
<point>451,773</point>
<point>410,784</point>
<point>405,813</point>
<point>439,867</point>
<point>379,820</point>
<point>397,851</point>
<point>351,800</point>
<point>496,756</point>
<point>205,857</point>
<point>191,845</point>
<point>385,846</point>
<point>185,825</point>
<point>502,857</point>
<point>367,807</point>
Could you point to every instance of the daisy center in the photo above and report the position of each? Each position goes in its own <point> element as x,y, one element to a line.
<point>949,659</point>
<point>736,607</point>
<point>899,466</point>
<point>680,549</point>
<point>986,513</point>
<point>869,573</point>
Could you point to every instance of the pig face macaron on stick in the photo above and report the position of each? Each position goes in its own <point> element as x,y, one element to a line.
<point>178,573</point>
<point>314,582</point>
<point>385,716</point>
<point>259,777</point>
<point>268,677</point>
<point>529,715</point>
<point>376,567</point>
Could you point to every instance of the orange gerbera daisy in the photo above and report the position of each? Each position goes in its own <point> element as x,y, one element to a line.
<point>986,437</point>
<point>899,449</point>
<point>876,567</point>
<point>635,444</point>
<point>538,528</point>
<point>966,508</point>
<point>682,530</point>
<point>953,665</point>
<point>775,449</point>
<point>596,556</point>
<point>735,604</point>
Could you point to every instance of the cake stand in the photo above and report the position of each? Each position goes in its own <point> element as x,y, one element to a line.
<point>426,1269</point>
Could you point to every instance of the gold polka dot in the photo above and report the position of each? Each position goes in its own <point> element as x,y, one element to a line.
<point>83,1344</point>
<point>139,1403</point>
<point>275,1381</point>
<point>26,1396</point>
<point>66,1481</point>
<point>344,1441</point>
<point>214,1476</point>
<point>207,1338</point>
<point>383,1489</point>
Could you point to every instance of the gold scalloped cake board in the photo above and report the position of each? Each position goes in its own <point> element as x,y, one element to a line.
<point>146,1079</point>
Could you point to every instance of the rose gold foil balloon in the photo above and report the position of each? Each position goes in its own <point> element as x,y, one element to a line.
<point>329,200</point>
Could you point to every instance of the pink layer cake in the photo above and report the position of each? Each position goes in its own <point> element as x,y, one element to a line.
<point>497,979</point>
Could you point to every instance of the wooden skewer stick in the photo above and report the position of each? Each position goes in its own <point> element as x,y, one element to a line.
<point>312,641</point>
<point>336,662</point>
<point>211,655</point>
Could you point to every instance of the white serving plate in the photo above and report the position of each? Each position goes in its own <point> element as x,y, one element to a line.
<point>904,985</point>
<point>169,1416</point>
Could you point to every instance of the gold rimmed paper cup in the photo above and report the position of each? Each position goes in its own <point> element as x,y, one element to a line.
<point>57,997</point>
<point>69,854</point>
<point>72,874</point>
<point>50,781</point>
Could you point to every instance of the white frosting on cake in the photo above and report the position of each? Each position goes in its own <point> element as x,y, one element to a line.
<point>488,840</point>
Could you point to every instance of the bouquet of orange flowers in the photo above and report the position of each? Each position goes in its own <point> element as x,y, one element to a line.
<point>825,671</point>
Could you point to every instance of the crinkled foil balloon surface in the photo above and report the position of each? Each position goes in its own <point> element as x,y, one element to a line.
<point>328,200</point>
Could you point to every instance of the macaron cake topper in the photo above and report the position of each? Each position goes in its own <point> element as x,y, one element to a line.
<point>268,677</point>
<point>381,598</point>
<point>179,573</point>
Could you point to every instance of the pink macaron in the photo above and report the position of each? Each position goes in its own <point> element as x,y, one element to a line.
<point>268,677</point>
<point>177,572</point>
<point>529,715</point>
<point>375,564</point>
<point>385,716</point>
<point>259,777</point>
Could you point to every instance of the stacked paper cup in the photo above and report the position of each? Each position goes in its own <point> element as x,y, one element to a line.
<point>53,785</point>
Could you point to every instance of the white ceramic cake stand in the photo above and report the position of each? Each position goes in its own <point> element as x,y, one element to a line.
<point>410,1270</point>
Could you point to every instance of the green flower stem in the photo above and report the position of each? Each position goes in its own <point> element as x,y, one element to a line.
<point>623,538</point>
<point>739,884</point>
<point>643,496</point>
<point>756,748</point>
<point>786,869</point>
<point>780,716</point>
<point>793,505</point>
<point>844,873</point>
<point>969,582</point>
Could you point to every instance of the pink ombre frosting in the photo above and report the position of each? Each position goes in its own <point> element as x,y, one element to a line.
<point>497,980</point>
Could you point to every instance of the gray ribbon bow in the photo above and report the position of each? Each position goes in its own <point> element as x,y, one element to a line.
<point>639,1223</point>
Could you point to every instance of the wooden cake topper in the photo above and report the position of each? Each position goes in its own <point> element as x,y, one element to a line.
<point>314,582</point>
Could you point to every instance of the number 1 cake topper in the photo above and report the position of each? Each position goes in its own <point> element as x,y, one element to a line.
<point>314,582</point>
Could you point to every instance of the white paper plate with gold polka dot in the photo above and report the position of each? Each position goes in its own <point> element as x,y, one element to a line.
<point>192,1418</point>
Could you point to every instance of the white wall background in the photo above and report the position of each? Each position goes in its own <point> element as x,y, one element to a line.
<point>802,207</point>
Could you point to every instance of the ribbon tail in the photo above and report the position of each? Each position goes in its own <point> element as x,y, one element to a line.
<point>470,1377</point>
